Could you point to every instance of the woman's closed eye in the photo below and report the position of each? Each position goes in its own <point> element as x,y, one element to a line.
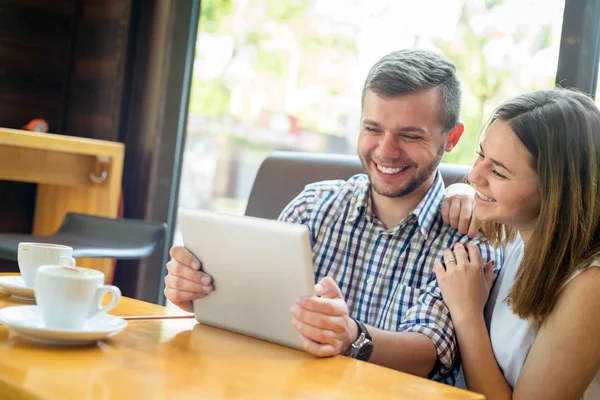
<point>498,174</point>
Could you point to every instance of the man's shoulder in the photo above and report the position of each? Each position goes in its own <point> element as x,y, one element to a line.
<point>446,234</point>
<point>488,252</point>
<point>326,198</point>
<point>322,190</point>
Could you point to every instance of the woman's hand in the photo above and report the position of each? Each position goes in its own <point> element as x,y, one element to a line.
<point>464,283</point>
<point>457,209</point>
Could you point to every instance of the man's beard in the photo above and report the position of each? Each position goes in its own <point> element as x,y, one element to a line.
<point>412,184</point>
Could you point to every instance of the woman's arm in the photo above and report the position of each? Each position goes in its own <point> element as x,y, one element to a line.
<point>479,363</point>
<point>465,286</point>
<point>565,356</point>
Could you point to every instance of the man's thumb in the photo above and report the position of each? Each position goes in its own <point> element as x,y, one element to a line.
<point>328,288</point>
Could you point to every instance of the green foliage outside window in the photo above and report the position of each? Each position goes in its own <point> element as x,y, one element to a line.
<point>256,43</point>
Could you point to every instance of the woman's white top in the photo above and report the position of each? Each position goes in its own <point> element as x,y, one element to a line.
<point>511,336</point>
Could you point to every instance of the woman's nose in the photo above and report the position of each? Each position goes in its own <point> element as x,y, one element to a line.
<point>475,176</point>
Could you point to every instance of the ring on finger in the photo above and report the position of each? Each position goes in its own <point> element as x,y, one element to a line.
<point>451,260</point>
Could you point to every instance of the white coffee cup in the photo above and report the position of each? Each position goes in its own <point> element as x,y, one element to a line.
<point>68,297</point>
<point>32,255</point>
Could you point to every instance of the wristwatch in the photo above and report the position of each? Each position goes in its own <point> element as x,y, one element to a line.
<point>362,348</point>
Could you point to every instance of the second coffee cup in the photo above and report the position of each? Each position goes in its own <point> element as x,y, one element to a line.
<point>32,255</point>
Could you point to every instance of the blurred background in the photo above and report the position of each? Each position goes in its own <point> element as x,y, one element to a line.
<point>288,74</point>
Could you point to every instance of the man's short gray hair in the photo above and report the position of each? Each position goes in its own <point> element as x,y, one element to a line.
<point>409,71</point>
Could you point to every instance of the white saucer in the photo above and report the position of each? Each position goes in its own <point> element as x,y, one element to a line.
<point>27,321</point>
<point>15,286</point>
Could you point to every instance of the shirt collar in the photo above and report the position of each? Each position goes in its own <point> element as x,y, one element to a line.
<point>363,204</point>
<point>424,212</point>
<point>429,206</point>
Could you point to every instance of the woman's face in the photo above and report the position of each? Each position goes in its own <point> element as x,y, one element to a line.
<point>507,187</point>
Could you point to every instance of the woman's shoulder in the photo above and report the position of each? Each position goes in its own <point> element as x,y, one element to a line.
<point>578,299</point>
<point>589,274</point>
<point>594,263</point>
<point>581,289</point>
<point>588,271</point>
<point>568,336</point>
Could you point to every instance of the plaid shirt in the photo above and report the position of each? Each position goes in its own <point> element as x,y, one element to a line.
<point>386,276</point>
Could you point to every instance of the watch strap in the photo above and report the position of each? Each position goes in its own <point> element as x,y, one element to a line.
<point>362,347</point>
<point>363,329</point>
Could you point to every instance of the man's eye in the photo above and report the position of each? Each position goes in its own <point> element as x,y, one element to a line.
<point>371,129</point>
<point>480,154</point>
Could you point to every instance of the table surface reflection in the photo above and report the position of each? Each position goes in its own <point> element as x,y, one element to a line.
<point>180,359</point>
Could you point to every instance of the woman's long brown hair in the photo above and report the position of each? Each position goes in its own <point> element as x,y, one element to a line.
<point>561,130</point>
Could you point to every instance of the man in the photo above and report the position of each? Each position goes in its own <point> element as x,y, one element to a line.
<point>376,237</point>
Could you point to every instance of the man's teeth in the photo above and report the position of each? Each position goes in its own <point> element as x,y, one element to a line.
<point>484,197</point>
<point>389,170</point>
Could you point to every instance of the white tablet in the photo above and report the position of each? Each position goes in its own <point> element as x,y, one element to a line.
<point>259,268</point>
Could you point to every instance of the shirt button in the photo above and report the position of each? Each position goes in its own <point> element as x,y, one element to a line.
<point>370,281</point>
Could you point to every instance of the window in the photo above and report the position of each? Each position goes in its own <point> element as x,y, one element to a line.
<point>287,74</point>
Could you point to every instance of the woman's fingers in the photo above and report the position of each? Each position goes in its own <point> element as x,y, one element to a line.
<point>449,260</point>
<point>474,254</point>
<point>462,258</point>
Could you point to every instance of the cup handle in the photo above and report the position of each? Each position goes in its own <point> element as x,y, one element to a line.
<point>115,293</point>
<point>66,261</point>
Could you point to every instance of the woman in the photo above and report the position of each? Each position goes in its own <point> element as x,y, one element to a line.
<point>537,184</point>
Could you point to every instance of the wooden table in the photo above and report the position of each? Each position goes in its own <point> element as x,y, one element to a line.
<point>126,307</point>
<point>61,166</point>
<point>180,359</point>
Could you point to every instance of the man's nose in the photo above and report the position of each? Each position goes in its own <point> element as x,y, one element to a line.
<point>389,147</point>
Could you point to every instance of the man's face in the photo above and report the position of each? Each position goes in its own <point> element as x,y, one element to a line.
<point>401,141</point>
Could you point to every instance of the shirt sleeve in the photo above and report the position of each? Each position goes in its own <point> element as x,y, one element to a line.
<point>431,317</point>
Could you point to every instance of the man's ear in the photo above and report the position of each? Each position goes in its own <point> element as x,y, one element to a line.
<point>454,136</point>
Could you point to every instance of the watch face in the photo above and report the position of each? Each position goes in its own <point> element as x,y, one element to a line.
<point>364,353</point>
<point>362,348</point>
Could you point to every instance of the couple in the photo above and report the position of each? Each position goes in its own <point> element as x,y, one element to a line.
<point>378,241</point>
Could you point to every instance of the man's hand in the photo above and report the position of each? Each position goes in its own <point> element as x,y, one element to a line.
<point>457,209</point>
<point>185,282</point>
<point>323,322</point>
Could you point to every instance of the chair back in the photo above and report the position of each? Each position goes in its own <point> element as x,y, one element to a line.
<point>95,237</point>
<point>284,174</point>
<point>99,237</point>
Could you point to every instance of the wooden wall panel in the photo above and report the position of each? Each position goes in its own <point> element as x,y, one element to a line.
<point>35,48</point>
<point>20,198</point>
<point>96,81</point>
<point>16,212</point>
<point>68,61</point>
<point>61,60</point>
<point>28,91</point>
<point>35,52</point>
